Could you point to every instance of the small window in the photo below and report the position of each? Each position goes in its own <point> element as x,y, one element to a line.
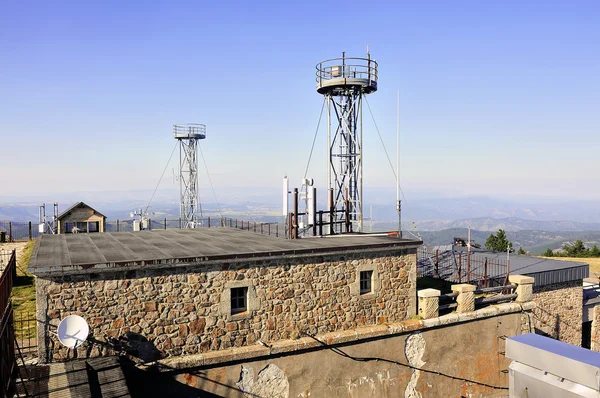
<point>365,281</point>
<point>239,300</point>
<point>93,226</point>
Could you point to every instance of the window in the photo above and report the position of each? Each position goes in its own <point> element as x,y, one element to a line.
<point>68,227</point>
<point>238,300</point>
<point>93,226</point>
<point>365,282</point>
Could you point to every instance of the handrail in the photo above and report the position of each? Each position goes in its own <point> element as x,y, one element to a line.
<point>366,69</point>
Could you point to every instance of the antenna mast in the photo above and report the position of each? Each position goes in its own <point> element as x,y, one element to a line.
<point>344,82</point>
<point>398,201</point>
<point>188,136</point>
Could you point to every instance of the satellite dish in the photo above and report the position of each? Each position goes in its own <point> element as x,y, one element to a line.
<point>72,331</point>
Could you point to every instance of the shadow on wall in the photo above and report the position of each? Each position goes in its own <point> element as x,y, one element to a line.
<point>137,346</point>
<point>154,384</point>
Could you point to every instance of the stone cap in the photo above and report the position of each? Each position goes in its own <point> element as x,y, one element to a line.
<point>463,288</point>
<point>521,279</point>
<point>429,293</point>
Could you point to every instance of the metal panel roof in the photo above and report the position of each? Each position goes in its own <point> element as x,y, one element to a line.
<point>80,252</point>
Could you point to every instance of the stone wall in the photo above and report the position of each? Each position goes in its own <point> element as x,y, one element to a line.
<point>559,310</point>
<point>174,311</point>
<point>595,335</point>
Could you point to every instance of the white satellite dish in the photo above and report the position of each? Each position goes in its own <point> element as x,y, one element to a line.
<point>72,331</point>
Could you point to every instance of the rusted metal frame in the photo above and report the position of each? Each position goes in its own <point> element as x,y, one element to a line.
<point>448,306</point>
<point>495,299</point>
<point>495,289</point>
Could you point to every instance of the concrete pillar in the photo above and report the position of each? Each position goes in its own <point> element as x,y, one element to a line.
<point>524,287</point>
<point>429,302</point>
<point>466,297</point>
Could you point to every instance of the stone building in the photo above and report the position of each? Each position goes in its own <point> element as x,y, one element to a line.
<point>81,218</point>
<point>181,292</point>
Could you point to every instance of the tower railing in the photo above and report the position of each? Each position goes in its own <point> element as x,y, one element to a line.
<point>347,68</point>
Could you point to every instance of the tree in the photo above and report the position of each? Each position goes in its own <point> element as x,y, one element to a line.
<point>498,242</point>
<point>548,253</point>
<point>595,252</point>
<point>522,251</point>
<point>576,250</point>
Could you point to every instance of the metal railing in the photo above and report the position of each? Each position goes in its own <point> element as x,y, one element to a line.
<point>483,297</point>
<point>25,327</point>
<point>12,231</point>
<point>8,360</point>
<point>460,266</point>
<point>347,68</point>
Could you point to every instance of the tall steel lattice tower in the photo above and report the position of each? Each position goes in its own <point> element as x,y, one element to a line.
<point>344,82</point>
<point>188,136</point>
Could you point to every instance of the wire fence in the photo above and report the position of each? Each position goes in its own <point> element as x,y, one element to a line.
<point>8,362</point>
<point>25,326</point>
<point>12,231</point>
<point>458,266</point>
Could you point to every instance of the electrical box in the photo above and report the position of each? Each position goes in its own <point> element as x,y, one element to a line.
<point>544,367</point>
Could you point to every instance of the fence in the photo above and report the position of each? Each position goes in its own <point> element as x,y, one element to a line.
<point>19,231</point>
<point>459,266</point>
<point>8,362</point>
<point>25,329</point>
<point>12,231</point>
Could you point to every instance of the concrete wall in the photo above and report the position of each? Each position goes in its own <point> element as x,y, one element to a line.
<point>81,214</point>
<point>559,311</point>
<point>180,311</point>
<point>469,354</point>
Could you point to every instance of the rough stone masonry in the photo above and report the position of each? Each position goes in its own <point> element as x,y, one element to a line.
<point>169,311</point>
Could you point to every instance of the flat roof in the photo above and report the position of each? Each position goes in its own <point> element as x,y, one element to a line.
<point>546,271</point>
<point>92,252</point>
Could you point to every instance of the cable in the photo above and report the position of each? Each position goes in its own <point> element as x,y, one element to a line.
<point>210,181</point>
<point>161,176</point>
<point>368,359</point>
<point>315,137</point>
<point>392,167</point>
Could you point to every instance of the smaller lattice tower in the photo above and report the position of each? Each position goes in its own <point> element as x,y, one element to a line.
<point>189,204</point>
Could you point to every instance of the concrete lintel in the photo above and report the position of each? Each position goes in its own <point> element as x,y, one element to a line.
<point>521,279</point>
<point>463,288</point>
<point>426,293</point>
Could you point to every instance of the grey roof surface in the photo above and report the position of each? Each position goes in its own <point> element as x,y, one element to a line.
<point>57,253</point>
<point>64,213</point>
<point>545,271</point>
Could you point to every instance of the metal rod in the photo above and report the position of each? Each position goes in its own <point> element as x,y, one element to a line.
<point>295,225</point>
<point>331,213</point>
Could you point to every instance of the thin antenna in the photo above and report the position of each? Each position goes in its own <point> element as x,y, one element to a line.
<point>399,203</point>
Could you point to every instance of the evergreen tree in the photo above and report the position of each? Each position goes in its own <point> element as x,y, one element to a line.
<point>548,253</point>
<point>522,251</point>
<point>595,252</point>
<point>498,242</point>
<point>576,250</point>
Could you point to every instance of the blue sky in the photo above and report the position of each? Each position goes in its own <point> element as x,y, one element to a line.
<point>498,98</point>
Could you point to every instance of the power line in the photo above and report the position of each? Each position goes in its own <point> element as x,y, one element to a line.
<point>210,181</point>
<point>377,359</point>
<point>315,137</point>
<point>161,176</point>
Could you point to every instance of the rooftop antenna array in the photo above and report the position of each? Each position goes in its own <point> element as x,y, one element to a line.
<point>344,82</point>
<point>188,135</point>
<point>48,226</point>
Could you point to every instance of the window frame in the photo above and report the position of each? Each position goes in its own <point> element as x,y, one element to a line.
<point>239,295</point>
<point>366,282</point>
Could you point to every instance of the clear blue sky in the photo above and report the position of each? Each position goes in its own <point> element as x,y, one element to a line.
<point>499,98</point>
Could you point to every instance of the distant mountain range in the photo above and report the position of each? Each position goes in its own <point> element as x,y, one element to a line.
<point>507,224</point>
